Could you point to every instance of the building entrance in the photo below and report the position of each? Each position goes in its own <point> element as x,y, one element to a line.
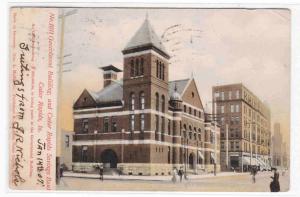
<point>109,159</point>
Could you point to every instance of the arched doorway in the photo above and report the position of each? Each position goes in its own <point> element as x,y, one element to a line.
<point>109,158</point>
<point>192,161</point>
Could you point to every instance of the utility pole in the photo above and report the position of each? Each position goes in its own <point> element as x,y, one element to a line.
<point>227,152</point>
<point>250,144</point>
<point>60,71</point>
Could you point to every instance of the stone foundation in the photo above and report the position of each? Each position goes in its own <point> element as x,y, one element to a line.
<point>145,169</point>
<point>84,167</point>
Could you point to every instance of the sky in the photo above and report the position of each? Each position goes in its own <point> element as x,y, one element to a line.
<point>216,46</point>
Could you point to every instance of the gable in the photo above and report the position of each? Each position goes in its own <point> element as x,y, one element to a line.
<point>191,95</point>
<point>85,100</point>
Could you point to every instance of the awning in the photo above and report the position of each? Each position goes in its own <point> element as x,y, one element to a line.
<point>261,163</point>
<point>246,160</point>
<point>200,154</point>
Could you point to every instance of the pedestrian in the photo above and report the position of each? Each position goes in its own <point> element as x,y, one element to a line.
<point>101,173</point>
<point>174,174</point>
<point>254,173</point>
<point>274,185</point>
<point>215,169</point>
<point>180,173</point>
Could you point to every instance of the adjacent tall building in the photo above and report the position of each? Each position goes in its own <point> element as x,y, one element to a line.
<point>279,150</point>
<point>245,127</point>
<point>144,124</point>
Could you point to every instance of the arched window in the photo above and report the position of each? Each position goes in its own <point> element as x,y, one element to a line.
<point>142,67</point>
<point>132,101</point>
<point>131,68</point>
<point>142,100</point>
<point>157,68</point>
<point>137,67</point>
<point>163,103</point>
<point>160,69</point>
<point>163,72</point>
<point>157,101</point>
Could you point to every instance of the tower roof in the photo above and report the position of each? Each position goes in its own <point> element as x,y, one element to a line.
<point>110,67</point>
<point>145,37</point>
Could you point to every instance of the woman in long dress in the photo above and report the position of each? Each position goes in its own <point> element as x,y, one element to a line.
<point>174,175</point>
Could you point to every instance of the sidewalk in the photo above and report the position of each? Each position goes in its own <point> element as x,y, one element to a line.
<point>147,178</point>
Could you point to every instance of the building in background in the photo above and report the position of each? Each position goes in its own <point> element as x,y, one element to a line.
<point>144,124</point>
<point>279,149</point>
<point>66,149</point>
<point>245,127</point>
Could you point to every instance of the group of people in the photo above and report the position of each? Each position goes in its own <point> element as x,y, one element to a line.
<point>177,173</point>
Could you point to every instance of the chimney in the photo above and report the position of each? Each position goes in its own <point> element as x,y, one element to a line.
<point>109,74</point>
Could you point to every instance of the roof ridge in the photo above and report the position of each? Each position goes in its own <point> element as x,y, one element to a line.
<point>180,80</point>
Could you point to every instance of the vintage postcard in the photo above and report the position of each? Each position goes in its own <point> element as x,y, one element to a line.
<point>150,99</point>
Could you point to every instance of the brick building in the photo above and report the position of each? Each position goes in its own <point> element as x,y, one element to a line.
<point>245,127</point>
<point>144,124</point>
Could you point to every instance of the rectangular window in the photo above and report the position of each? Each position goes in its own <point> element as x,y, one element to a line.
<point>222,145</point>
<point>85,125</point>
<point>231,145</point>
<point>229,95</point>
<point>142,122</point>
<point>237,145</point>
<point>169,127</point>
<point>237,108</point>
<point>237,120</point>
<point>217,95</point>
<point>132,122</point>
<point>67,141</point>
<point>113,124</point>
<point>222,96</point>
<point>231,108</point>
<point>84,157</point>
<point>237,94</point>
<point>222,109</point>
<point>105,124</point>
<point>162,124</point>
<point>156,123</point>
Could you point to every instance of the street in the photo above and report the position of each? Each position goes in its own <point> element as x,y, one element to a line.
<point>221,183</point>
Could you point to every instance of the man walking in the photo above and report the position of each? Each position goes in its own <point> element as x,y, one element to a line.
<point>180,173</point>
<point>101,173</point>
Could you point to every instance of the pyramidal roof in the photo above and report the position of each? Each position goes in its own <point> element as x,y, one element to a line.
<point>145,36</point>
